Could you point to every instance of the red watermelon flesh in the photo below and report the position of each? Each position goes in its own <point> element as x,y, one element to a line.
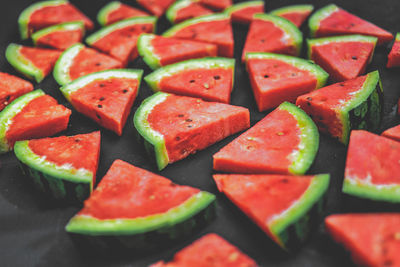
<point>124,12</point>
<point>80,151</point>
<point>209,250</point>
<point>343,60</point>
<point>108,102</point>
<point>394,55</point>
<point>89,60</point>
<point>297,18</point>
<point>41,117</point>
<point>216,5</point>
<point>156,7</point>
<point>245,15</point>
<point>61,39</point>
<point>393,133</point>
<point>121,43</point>
<point>172,50</point>
<point>129,192</point>
<point>190,124</point>
<point>43,59</point>
<point>193,10</point>
<point>274,82</point>
<point>373,239</point>
<point>12,87</point>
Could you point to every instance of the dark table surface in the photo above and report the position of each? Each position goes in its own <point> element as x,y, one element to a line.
<point>32,227</point>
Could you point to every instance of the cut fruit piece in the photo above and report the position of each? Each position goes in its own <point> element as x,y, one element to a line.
<point>63,166</point>
<point>33,115</point>
<point>119,39</point>
<point>394,55</point>
<point>339,108</point>
<point>343,57</point>
<point>34,63</point>
<point>208,78</point>
<point>140,208</point>
<point>173,127</point>
<point>47,13</point>
<point>286,208</point>
<point>272,34</point>
<point>277,78</point>
<point>284,142</point>
<point>60,36</point>
<point>156,7</point>
<point>372,167</point>
<point>106,97</point>
<point>392,133</point>
<point>215,29</point>
<point>159,51</point>
<point>186,9</point>
<point>332,20</point>
<point>209,250</point>
<point>244,12</point>
<point>78,61</point>
<point>216,5</point>
<point>116,11</point>
<point>297,14</point>
<point>12,87</point>
<point>373,239</point>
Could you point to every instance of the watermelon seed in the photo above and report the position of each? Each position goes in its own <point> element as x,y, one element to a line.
<point>354,57</point>
<point>180,115</point>
<point>293,74</point>
<point>217,77</point>
<point>309,98</point>
<point>98,64</point>
<point>189,120</point>
<point>262,40</point>
<point>99,106</point>
<point>191,81</point>
<point>341,84</point>
<point>77,140</point>
<point>143,28</point>
<point>320,118</point>
<point>177,138</point>
<point>98,116</point>
<point>101,98</point>
<point>124,91</point>
<point>189,126</point>
<point>285,180</point>
<point>102,85</point>
<point>7,98</point>
<point>266,76</point>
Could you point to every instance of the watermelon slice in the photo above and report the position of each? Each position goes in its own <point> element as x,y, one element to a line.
<point>63,166</point>
<point>119,39</point>
<point>272,34</point>
<point>373,239</point>
<point>78,61</point>
<point>343,57</point>
<point>140,208</point>
<point>173,127</point>
<point>116,11</point>
<point>186,9</point>
<point>33,115</point>
<point>47,13</point>
<point>60,36</point>
<point>372,167</point>
<point>339,108</point>
<point>156,7</point>
<point>159,51</point>
<point>215,29</point>
<point>297,14</point>
<point>277,78</point>
<point>332,20</point>
<point>208,78</point>
<point>209,250</point>
<point>216,5</point>
<point>392,133</point>
<point>244,12</point>
<point>34,63</point>
<point>286,208</point>
<point>284,142</point>
<point>106,97</point>
<point>394,55</point>
<point>12,87</point>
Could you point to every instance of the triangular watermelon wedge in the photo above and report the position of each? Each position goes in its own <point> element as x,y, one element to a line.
<point>373,239</point>
<point>116,11</point>
<point>394,55</point>
<point>343,57</point>
<point>277,78</point>
<point>186,9</point>
<point>11,87</point>
<point>173,127</point>
<point>64,166</point>
<point>208,78</point>
<point>297,14</point>
<point>33,115</point>
<point>34,63</point>
<point>106,97</point>
<point>156,7</point>
<point>332,20</point>
<point>285,142</point>
<point>244,12</point>
<point>286,208</point>
<point>215,29</point>
<point>159,51</point>
<point>119,39</point>
<point>372,167</point>
<point>141,208</point>
<point>272,34</point>
<point>216,5</point>
<point>392,133</point>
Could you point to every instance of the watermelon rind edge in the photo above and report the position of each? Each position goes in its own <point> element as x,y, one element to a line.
<point>233,8</point>
<point>320,14</point>
<point>74,25</point>
<point>170,14</point>
<point>64,62</point>
<point>145,49</point>
<point>292,8</point>
<point>105,10</point>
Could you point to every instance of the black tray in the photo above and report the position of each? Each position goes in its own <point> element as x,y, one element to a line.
<point>32,226</point>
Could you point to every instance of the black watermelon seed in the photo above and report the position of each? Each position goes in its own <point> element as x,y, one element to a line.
<point>191,81</point>
<point>99,106</point>
<point>354,57</point>
<point>309,98</point>
<point>180,115</point>
<point>217,77</point>
<point>98,64</point>
<point>102,85</point>
<point>266,76</point>
<point>8,98</point>
<point>124,91</point>
<point>101,98</point>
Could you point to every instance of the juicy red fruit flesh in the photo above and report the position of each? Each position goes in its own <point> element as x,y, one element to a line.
<point>60,39</point>
<point>124,12</point>
<point>43,59</point>
<point>245,15</point>
<point>191,11</point>
<point>12,87</point>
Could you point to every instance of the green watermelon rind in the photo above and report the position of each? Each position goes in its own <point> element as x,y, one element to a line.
<point>318,16</point>
<point>236,7</point>
<point>292,8</point>
<point>285,25</point>
<point>23,19</point>
<point>94,37</point>
<point>145,49</point>
<point>303,64</point>
<point>170,14</point>
<point>10,111</point>
<point>64,62</point>
<point>154,78</point>
<point>22,64</point>
<point>87,225</point>
<point>74,25</point>
<point>105,11</point>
